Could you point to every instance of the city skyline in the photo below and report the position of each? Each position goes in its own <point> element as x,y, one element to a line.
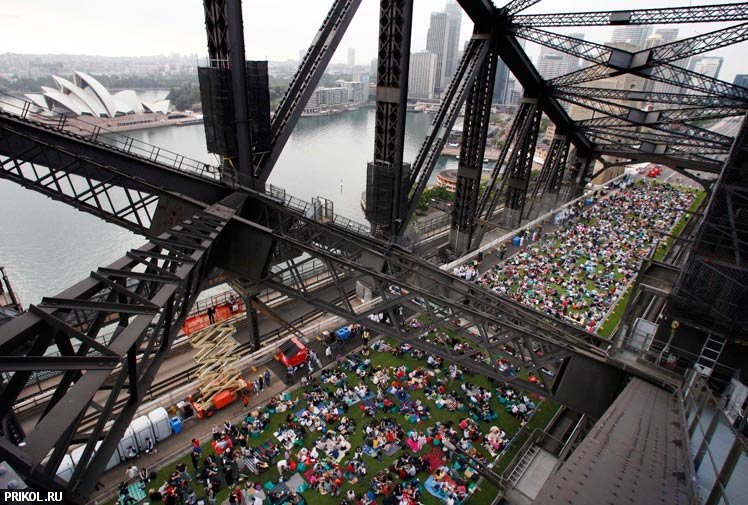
<point>271,32</point>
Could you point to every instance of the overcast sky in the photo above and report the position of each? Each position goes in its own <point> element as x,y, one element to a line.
<point>274,29</point>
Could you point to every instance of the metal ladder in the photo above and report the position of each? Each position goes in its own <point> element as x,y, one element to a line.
<point>519,470</point>
<point>710,353</point>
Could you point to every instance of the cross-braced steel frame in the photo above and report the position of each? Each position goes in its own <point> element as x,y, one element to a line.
<point>145,296</point>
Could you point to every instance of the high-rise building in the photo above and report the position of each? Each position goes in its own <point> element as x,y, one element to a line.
<point>422,75</point>
<point>661,37</point>
<point>741,80</point>
<point>636,35</point>
<point>706,65</point>
<point>351,56</point>
<point>454,20</point>
<point>442,40</point>
<point>553,63</point>
<point>436,42</point>
<point>501,84</point>
<point>373,71</point>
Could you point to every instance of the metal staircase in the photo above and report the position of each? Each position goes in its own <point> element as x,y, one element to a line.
<point>710,353</point>
<point>521,467</point>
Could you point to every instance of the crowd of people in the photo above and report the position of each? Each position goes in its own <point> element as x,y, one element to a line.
<point>313,438</point>
<point>580,270</point>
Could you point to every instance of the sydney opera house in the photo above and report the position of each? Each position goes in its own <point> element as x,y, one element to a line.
<point>86,96</point>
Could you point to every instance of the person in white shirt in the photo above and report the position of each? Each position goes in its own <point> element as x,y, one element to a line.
<point>132,472</point>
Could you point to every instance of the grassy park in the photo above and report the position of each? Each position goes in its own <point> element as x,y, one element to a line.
<point>506,421</point>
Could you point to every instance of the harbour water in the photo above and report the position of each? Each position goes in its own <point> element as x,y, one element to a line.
<point>48,246</point>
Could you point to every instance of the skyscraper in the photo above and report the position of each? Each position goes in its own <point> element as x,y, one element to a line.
<point>436,43</point>
<point>422,75</point>
<point>454,19</point>
<point>442,40</point>
<point>741,80</point>
<point>351,56</point>
<point>501,84</point>
<point>636,35</point>
<point>553,63</point>
<point>706,65</point>
<point>661,37</point>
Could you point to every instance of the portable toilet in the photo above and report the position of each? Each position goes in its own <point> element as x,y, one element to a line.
<point>78,452</point>
<point>65,470</point>
<point>160,422</point>
<point>128,439</point>
<point>142,429</point>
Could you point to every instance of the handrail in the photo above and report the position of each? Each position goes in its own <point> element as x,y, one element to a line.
<point>81,129</point>
<point>78,127</point>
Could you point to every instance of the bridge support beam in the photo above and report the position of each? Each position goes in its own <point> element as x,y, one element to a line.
<point>547,186</point>
<point>519,172</point>
<point>475,131</point>
<point>252,319</point>
<point>387,176</point>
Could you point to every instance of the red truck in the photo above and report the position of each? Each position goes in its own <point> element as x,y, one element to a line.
<point>293,353</point>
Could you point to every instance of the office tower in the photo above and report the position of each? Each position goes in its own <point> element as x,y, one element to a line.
<point>454,19</point>
<point>351,56</point>
<point>501,84</point>
<point>436,42</point>
<point>636,35</point>
<point>661,37</point>
<point>706,65</point>
<point>553,63</point>
<point>422,75</point>
<point>373,71</point>
<point>442,40</point>
<point>741,80</point>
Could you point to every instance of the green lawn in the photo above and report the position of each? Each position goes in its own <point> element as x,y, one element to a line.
<point>507,422</point>
<point>665,246</point>
<point>614,318</point>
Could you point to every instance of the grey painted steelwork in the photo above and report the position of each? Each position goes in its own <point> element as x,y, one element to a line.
<point>475,132</point>
<point>385,195</point>
<point>149,311</point>
<point>148,292</point>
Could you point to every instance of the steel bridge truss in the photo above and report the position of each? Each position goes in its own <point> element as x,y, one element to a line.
<point>147,294</point>
<point>713,285</point>
<point>489,323</point>
<point>387,174</point>
<point>475,128</point>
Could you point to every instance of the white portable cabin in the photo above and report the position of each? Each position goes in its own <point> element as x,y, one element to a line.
<point>160,423</point>
<point>65,470</point>
<point>141,428</point>
<point>128,439</point>
<point>113,461</point>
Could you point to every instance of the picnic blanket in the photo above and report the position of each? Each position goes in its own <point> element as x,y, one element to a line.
<point>370,451</point>
<point>351,399</point>
<point>136,491</point>
<point>435,457</point>
<point>297,483</point>
<point>402,397</point>
<point>370,402</point>
<point>432,486</point>
<point>248,496</point>
<point>390,449</point>
<point>287,443</point>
